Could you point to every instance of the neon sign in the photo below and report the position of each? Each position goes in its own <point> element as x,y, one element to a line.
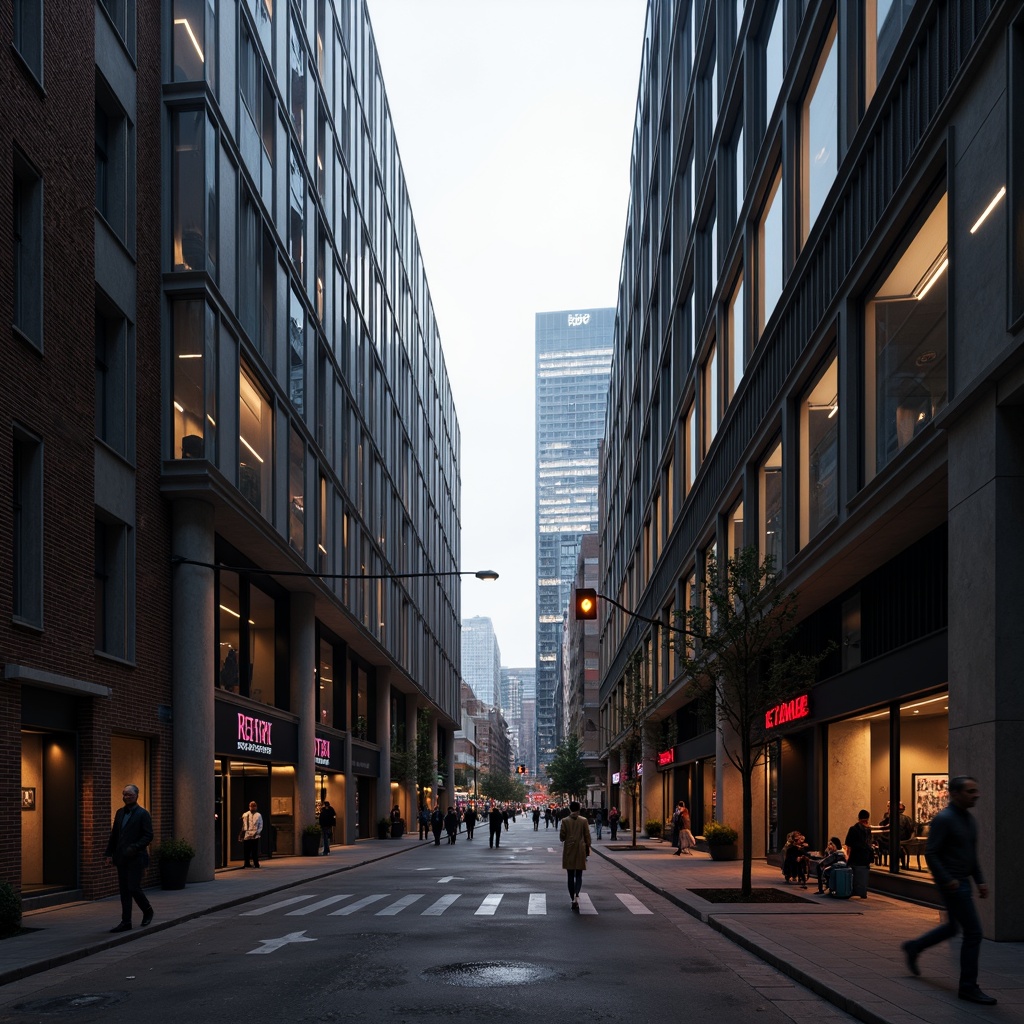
<point>254,734</point>
<point>665,757</point>
<point>788,711</point>
<point>323,752</point>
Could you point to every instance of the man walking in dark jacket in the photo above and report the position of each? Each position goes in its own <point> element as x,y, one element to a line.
<point>952,855</point>
<point>128,851</point>
<point>494,822</point>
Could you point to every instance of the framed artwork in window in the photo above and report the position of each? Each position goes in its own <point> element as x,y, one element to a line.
<point>931,794</point>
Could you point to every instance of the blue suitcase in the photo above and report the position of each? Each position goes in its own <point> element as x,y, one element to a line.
<point>840,881</point>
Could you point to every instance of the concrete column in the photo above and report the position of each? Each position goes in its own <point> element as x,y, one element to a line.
<point>986,641</point>
<point>411,807</point>
<point>349,820</point>
<point>194,665</point>
<point>650,782</point>
<point>302,669</point>
<point>384,801</point>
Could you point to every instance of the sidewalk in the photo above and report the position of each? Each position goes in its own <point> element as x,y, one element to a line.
<point>845,951</point>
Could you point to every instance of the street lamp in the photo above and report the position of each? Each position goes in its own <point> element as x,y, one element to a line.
<point>480,574</point>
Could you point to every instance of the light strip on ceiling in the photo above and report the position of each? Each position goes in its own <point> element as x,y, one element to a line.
<point>988,209</point>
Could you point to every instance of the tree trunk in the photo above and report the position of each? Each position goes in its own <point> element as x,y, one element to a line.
<point>748,818</point>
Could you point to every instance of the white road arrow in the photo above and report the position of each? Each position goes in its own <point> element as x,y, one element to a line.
<point>449,878</point>
<point>269,945</point>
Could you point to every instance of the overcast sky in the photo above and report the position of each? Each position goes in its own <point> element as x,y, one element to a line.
<point>514,121</point>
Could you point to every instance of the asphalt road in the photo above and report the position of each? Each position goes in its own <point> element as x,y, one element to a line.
<point>459,932</point>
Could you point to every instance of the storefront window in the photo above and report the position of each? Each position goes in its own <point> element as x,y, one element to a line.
<point>905,325</point>
<point>770,505</point>
<point>858,759</point>
<point>255,443</point>
<point>195,379</point>
<point>819,454</point>
<point>924,773</point>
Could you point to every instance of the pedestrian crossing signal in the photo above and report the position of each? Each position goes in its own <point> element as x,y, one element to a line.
<point>586,603</point>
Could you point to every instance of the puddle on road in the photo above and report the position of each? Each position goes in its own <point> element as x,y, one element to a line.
<point>490,974</point>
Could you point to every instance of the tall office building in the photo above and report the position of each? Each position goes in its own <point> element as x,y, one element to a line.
<point>481,659</point>
<point>818,355</point>
<point>573,356</point>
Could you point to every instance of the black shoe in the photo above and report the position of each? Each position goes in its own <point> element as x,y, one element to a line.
<point>124,926</point>
<point>255,865</point>
<point>975,995</point>
<point>147,917</point>
<point>911,954</point>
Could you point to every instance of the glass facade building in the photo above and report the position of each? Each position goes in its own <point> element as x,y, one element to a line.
<point>481,660</point>
<point>573,355</point>
<point>816,354</point>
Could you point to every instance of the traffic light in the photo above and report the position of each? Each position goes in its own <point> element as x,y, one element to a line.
<point>520,769</point>
<point>586,603</point>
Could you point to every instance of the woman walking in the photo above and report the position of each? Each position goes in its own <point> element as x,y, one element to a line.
<point>574,834</point>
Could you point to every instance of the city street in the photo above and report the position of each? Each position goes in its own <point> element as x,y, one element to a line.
<point>464,931</point>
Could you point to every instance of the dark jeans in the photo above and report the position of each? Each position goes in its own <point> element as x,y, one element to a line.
<point>251,851</point>
<point>575,882</point>
<point>328,834</point>
<point>470,825</point>
<point>962,915</point>
<point>129,885</point>
<point>495,836</point>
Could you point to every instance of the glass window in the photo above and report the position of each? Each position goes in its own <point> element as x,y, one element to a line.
<point>297,353</point>
<point>27,251</point>
<point>735,526</point>
<point>296,491</point>
<point>711,84</point>
<point>737,163</point>
<point>819,454</point>
<point>820,134</point>
<point>692,448</point>
<point>261,628</point>
<point>883,25</point>
<point>774,63</point>
<point>323,529</point>
<point>769,254</point>
<point>769,483</point>
<point>194,41</point>
<point>297,81</point>
<point>195,367</point>
<point>905,343</point>
<point>711,404</point>
<point>735,349</point>
<point>861,745</point>
<point>111,598</point>
<point>111,415</point>
<point>194,210</point>
<point>28,34</point>
<point>296,210</point>
<point>255,443</point>
<point>229,622</point>
<point>325,685</point>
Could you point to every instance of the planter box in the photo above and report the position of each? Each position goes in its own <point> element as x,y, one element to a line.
<point>173,873</point>
<point>723,851</point>
<point>310,844</point>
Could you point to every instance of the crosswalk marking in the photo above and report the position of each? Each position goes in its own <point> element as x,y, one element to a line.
<point>586,907</point>
<point>538,903</point>
<point>490,903</point>
<point>632,904</point>
<point>277,906</point>
<point>358,905</point>
<point>319,905</point>
<point>400,905</point>
<point>437,908</point>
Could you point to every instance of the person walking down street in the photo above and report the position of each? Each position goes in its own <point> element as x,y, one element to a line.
<point>684,841</point>
<point>952,855</point>
<point>252,829</point>
<point>424,820</point>
<point>128,851</point>
<point>860,853</point>
<point>505,816</point>
<point>598,820</point>
<point>470,819</point>
<point>547,816</point>
<point>451,825</point>
<point>437,823</point>
<point>494,821</point>
<point>328,819</point>
<point>536,819</point>
<point>574,835</point>
<point>613,822</point>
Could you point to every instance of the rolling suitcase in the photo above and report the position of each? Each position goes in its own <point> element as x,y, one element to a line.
<point>840,881</point>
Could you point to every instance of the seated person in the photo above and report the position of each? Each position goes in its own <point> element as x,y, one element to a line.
<point>835,854</point>
<point>794,866</point>
<point>906,823</point>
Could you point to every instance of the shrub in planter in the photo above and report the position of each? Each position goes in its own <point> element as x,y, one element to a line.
<point>10,911</point>
<point>654,828</point>
<point>311,838</point>
<point>174,857</point>
<point>175,849</point>
<point>719,834</point>
<point>383,828</point>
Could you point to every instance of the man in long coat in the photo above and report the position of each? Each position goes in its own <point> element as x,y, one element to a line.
<point>574,834</point>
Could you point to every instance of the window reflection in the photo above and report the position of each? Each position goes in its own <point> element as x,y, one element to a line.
<point>819,454</point>
<point>255,448</point>
<point>770,504</point>
<point>325,685</point>
<point>883,25</point>
<point>195,394</point>
<point>820,134</point>
<point>296,491</point>
<point>769,254</point>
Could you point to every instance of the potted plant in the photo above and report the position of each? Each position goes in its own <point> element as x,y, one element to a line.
<point>311,837</point>
<point>654,828</point>
<point>398,828</point>
<point>721,840</point>
<point>173,857</point>
<point>383,828</point>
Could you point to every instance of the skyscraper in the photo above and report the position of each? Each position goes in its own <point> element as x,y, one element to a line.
<point>481,659</point>
<point>573,357</point>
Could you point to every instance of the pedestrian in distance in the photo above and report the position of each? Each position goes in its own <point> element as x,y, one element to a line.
<point>536,819</point>
<point>613,822</point>
<point>860,853</point>
<point>328,819</point>
<point>451,825</point>
<point>494,822</point>
<point>834,855</point>
<point>574,835</point>
<point>437,823</point>
<point>598,820</point>
<point>952,855</point>
<point>505,816</point>
<point>424,820</point>
<point>794,862</point>
<point>252,829</point>
<point>128,851</point>
<point>684,840</point>
<point>547,816</point>
<point>470,819</point>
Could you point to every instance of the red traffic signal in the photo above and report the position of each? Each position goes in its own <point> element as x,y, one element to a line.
<point>586,603</point>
